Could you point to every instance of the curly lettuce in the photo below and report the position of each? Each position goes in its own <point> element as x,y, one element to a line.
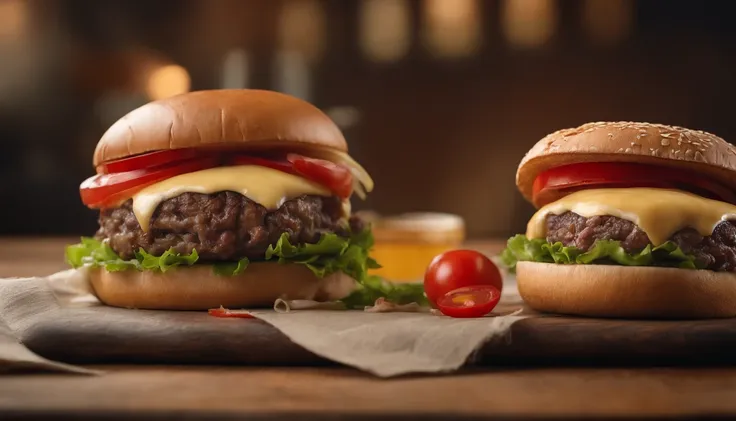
<point>95,253</point>
<point>522,249</point>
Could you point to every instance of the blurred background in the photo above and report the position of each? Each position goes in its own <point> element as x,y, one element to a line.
<point>439,99</point>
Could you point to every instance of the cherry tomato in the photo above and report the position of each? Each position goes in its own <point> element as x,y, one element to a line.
<point>148,160</point>
<point>459,268</point>
<point>335,177</point>
<point>108,189</point>
<point>223,312</point>
<point>472,301</point>
<point>555,183</point>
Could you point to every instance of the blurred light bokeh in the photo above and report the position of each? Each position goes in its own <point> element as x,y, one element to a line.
<point>439,99</point>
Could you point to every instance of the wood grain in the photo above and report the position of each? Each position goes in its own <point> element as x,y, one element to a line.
<point>202,392</point>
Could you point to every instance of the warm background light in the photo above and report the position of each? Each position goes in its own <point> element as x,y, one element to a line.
<point>235,70</point>
<point>529,23</point>
<point>607,22</point>
<point>451,28</point>
<point>302,27</point>
<point>385,34</point>
<point>167,81</point>
<point>13,19</point>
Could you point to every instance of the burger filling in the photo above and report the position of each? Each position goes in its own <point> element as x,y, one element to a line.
<point>223,226</point>
<point>630,227</point>
<point>714,252</point>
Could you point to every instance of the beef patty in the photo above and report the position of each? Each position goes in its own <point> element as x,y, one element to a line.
<point>716,252</point>
<point>222,226</point>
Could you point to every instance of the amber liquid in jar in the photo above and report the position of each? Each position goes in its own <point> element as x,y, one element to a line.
<point>406,244</point>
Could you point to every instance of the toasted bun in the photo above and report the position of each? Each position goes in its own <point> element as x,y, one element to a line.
<point>198,288</point>
<point>630,142</point>
<point>219,118</point>
<point>627,292</point>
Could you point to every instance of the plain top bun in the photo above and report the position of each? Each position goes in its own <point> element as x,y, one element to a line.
<point>627,292</point>
<point>219,118</point>
<point>198,288</point>
<point>630,142</point>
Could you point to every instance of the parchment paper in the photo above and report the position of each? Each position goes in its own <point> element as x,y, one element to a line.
<point>384,344</point>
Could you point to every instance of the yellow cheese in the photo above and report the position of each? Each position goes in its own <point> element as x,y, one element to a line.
<point>658,212</point>
<point>263,185</point>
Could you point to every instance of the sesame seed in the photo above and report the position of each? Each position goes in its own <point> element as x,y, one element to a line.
<point>629,150</point>
<point>699,156</point>
<point>665,141</point>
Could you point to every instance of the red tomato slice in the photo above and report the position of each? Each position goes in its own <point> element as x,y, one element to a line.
<point>148,160</point>
<point>333,176</point>
<point>280,164</point>
<point>556,183</point>
<point>223,312</point>
<point>472,301</point>
<point>109,189</point>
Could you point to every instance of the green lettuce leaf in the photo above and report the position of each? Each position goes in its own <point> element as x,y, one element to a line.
<point>375,287</point>
<point>96,253</point>
<point>329,255</point>
<point>166,261</point>
<point>521,249</point>
<point>99,254</point>
<point>231,268</point>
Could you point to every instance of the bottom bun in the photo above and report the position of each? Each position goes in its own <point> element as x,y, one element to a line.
<point>627,292</point>
<point>199,288</point>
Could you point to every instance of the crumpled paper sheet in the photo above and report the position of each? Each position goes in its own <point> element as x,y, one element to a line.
<point>384,344</point>
<point>18,297</point>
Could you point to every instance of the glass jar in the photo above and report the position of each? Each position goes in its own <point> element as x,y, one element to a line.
<point>405,244</point>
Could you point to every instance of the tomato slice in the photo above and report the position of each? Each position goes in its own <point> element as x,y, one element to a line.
<point>148,160</point>
<point>471,301</point>
<point>223,312</point>
<point>102,190</point>
<point>335,177</point>
<point>280,164</point>
<point>555,183</point>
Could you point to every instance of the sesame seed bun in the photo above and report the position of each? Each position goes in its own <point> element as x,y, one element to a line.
<point>199,288</point>
<point>219,118</point>
<point>646,143</point>
<point>627,292</point>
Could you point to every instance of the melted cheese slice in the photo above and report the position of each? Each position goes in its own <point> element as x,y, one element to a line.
<point>658,212</point>
<point>266,186</point>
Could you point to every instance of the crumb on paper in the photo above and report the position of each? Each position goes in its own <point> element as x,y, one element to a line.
<point>382,305</point>
<point>285,306</point>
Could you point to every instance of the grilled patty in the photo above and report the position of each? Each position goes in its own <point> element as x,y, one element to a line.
<point>222,226</point>
<point>716,252</point>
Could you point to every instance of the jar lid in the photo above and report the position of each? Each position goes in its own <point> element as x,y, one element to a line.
<point>430,227</point>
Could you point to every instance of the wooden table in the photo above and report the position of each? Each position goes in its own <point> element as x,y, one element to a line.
<point>335,393</point>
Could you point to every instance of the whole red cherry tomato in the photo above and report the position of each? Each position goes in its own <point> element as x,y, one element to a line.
<point>459,268</point>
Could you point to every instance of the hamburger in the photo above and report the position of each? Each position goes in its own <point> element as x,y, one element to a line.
<point>230,198</point>
<point>634,220</point>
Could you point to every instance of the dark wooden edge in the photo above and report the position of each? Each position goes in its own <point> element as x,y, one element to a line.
<point>314,415</point>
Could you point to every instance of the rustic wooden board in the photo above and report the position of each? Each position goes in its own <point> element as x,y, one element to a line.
<point>108,335</point>
<point>132,392</point>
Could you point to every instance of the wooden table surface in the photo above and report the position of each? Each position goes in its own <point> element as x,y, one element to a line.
<point>195,392</point>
